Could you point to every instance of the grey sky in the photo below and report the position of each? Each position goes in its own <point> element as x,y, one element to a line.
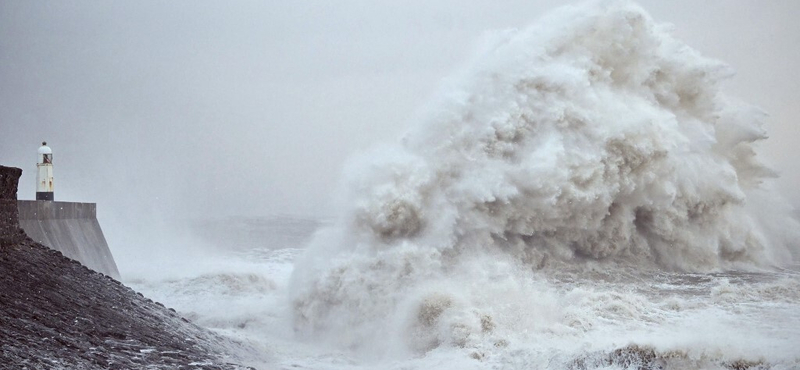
<point>175,109</point>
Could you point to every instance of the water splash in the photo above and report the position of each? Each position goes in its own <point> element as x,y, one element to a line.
<point>592,138</point>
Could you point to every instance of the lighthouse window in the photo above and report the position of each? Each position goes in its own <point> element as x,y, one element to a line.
<point>48,158</point>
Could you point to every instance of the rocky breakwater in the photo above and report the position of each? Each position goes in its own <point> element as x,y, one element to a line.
<point>55,313</point>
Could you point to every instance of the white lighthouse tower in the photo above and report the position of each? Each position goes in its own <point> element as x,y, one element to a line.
<point>44,176</point>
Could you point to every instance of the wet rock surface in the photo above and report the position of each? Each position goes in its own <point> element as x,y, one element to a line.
<point>636,357</point>
<point>57,314</point>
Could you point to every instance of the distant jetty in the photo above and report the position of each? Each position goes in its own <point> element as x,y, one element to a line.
<point>57,313</point>
<point>68,227</point>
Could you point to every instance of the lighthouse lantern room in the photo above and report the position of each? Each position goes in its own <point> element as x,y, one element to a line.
<point>44,176</point>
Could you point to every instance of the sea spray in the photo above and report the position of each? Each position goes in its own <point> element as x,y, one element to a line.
<point>590,140</point>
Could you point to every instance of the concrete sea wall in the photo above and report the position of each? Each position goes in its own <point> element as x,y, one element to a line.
<point>55,313</point>
<point>70,228</point>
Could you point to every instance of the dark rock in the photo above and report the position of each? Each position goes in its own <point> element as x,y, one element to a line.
<point>637,357</point>
<point>10,232</point>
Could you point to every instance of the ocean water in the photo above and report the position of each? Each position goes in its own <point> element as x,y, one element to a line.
<point>597,316</point>
<point>581,195</point>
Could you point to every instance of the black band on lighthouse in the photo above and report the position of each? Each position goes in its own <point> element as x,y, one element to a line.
<point>44,195</point>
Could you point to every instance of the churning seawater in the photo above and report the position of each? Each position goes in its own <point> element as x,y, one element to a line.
<point>597,317</point>
<point>582,195</point>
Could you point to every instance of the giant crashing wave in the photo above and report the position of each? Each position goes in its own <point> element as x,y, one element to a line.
<point>591,137</point>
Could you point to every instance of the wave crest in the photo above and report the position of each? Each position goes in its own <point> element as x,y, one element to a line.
<point>594,135</point>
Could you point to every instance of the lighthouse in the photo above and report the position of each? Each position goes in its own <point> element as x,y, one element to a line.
<point>44,176</point>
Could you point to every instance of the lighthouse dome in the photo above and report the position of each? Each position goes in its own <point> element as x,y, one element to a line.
<point>44,149</point>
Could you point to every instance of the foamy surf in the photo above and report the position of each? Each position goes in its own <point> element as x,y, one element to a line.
<point>581,196</point>
<point>591,143</point>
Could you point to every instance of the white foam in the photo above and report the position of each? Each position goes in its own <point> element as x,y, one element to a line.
<point>579,195</point>
<point>593,140</point>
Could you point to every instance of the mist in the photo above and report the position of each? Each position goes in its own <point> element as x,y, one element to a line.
<point>164,111</point>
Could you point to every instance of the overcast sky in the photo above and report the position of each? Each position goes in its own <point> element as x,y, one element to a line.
<point>189,109</point>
